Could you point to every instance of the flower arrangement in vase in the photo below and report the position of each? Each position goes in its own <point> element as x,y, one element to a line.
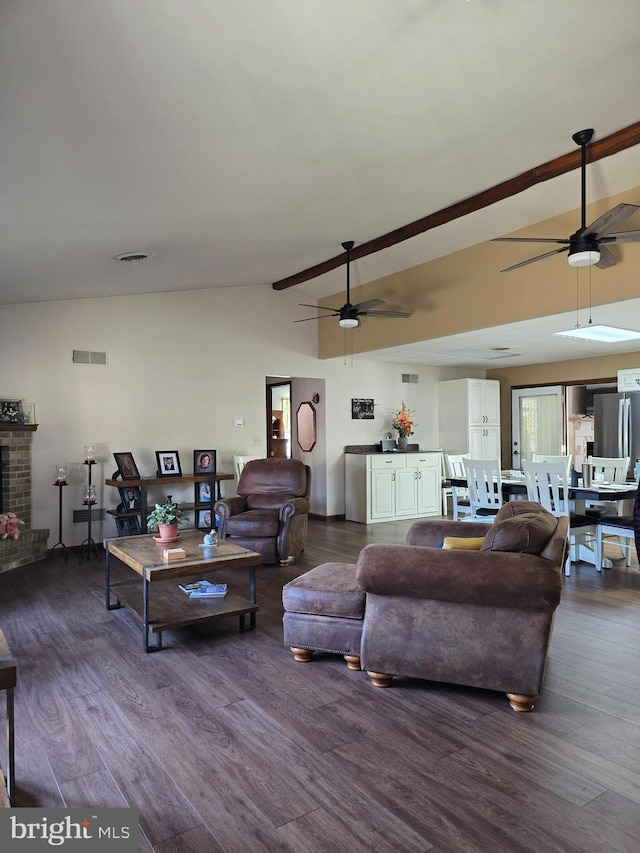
<point>402,421</point>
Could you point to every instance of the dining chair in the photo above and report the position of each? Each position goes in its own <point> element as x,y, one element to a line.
<point>610,469</point>
<point>453,467</point>
<point>548,484</point>
<point>484,482</point>
<point>240,461</point>
<point>544,457</point>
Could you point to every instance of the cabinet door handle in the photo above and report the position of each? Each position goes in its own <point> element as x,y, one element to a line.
<point>393,476</point>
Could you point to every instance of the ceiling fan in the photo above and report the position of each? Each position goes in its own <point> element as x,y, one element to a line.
<point>349,314</point>
<point>589,244</point>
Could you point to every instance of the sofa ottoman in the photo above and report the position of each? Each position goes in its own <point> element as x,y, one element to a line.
<point>324,611</point>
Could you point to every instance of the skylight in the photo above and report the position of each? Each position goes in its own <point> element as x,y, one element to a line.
<point>603,334</point>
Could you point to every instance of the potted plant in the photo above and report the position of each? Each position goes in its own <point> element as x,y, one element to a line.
<point>165,518</point>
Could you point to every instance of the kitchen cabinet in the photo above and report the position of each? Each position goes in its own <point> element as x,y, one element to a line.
<point>389,486</point>
<point>469,417</point>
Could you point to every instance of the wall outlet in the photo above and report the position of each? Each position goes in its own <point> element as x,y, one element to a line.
<point>256,441</point>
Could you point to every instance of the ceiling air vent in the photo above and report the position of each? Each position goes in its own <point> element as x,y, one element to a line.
<point>85,356</point>
<point>410,378</point>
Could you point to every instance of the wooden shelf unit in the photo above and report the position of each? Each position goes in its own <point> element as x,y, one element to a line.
<point>143,484</point>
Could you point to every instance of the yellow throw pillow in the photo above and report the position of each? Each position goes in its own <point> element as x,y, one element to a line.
<point>463,543</point>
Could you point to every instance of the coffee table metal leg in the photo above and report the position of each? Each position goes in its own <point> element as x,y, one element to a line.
<point>147,647</point>
<point>252,594</point>
<point>107,584</point>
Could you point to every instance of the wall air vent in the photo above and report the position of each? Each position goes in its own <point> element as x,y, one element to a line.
<point>410,378</point>
<point>85,356</point>
<point>81,516</point>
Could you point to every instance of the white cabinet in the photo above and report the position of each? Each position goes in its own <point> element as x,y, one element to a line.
<point>469,417</point>
<point>483,397</point>
<point>484,442</point>
<point>387,486</point>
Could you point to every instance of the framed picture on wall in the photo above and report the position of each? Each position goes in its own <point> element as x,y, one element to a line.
<point>361,408</point>
<point>168,463</point>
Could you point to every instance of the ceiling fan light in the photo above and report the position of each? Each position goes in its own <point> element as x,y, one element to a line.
<point>584,259</point>
<point>349,323</point>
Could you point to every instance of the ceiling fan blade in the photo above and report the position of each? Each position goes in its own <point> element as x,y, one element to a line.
<point>323,307</point>
<point>528,240</point>
<point>537,258</point>
<point>621,237</point>
<point>607,258</point>
<point>611,219</point>
<point>320,317</point>
<point>384,313</point>
<point>369,303</point>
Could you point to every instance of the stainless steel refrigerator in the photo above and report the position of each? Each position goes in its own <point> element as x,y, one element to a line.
<point>616,422</point>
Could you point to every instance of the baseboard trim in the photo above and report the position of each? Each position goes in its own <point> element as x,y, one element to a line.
<point>316,517</point>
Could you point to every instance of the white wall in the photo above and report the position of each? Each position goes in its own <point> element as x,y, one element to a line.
<point>181,367</point>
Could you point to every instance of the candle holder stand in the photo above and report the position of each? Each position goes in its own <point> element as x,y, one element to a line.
<point>89,548</point>
<point>60,543</point>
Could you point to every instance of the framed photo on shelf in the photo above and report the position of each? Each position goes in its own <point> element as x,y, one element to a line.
<point>28,413</point>
<point>168,463</point>
<point>130,498</point>
<point>11,412</point>
<point>203,493</point>
<point>204,462</point>
<point>361,409</point>
<point>204,519</point>
<point>129,526</point>
<point>127,468</point>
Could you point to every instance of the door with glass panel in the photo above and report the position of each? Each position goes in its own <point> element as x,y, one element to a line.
<point>536,423</point>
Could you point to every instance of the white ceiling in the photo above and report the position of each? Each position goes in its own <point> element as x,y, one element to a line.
<point>239,142</point>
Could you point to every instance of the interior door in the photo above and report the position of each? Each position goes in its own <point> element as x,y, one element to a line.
<point>536,423</point>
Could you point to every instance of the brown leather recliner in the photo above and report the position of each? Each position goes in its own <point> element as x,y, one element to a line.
<point>270,513</point>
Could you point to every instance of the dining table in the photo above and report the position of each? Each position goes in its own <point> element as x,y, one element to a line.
<point>514,487</point>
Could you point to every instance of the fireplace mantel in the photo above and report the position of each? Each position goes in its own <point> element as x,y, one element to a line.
<point>8,427</point>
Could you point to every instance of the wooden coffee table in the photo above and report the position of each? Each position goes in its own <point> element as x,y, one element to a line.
<point>169,607</point>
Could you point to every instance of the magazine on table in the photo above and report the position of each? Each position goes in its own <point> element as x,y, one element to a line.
<point>204,589</point>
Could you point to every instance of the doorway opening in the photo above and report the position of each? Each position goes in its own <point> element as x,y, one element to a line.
<point>556,419</point>
<point>279,420</point>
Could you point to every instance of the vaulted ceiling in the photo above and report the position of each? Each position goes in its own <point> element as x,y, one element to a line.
<point>238,143</point>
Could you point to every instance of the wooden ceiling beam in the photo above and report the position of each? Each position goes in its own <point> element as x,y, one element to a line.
<point>601,148</point>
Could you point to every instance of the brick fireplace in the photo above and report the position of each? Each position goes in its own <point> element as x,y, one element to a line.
<point>15,451</point>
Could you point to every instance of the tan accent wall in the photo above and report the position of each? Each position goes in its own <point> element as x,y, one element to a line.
<point>465,290</point>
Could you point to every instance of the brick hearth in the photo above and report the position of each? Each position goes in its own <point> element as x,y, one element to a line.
<point>15,445</point>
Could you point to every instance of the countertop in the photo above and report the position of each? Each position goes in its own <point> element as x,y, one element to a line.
<point>371,449</point>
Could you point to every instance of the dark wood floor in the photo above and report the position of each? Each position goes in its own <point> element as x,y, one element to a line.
<point>224,743</point>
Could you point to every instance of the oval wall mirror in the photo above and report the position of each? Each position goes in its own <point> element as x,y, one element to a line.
<point>306,426</point>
